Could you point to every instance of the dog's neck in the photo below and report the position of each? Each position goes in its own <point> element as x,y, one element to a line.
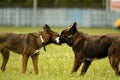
<point>79,39</point>
<point>43,42</point>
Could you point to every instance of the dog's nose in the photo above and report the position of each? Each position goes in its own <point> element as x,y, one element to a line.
<point>57,40</point>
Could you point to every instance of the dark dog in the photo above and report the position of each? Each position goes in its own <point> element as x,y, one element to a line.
<point>26,44</point>
<point>87,47</point>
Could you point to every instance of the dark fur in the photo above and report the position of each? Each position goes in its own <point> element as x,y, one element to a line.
<point>25,44</point>
<point>88,47</point>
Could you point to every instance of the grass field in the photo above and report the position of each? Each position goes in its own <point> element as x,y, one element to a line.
<point>56,63</point>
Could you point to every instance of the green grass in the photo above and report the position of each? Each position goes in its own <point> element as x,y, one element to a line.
<point>56,63</point>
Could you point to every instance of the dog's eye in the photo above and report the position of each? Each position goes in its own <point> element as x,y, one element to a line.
<point>57,34</point>
<point>62,35</point>
<point>69,36</point>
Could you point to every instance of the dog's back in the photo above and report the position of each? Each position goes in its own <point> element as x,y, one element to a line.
<point>97,46</point>
<point>12,41</point>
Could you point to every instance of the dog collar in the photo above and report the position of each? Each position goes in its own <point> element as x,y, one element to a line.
<point>41,39</point>
<point>43,42</point>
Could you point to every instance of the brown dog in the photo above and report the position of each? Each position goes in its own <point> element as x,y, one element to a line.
<point>26,44</point>
<point>87,47</point>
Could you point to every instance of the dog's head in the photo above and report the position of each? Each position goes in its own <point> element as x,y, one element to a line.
<point>68,35</point>
<point>50,35</point>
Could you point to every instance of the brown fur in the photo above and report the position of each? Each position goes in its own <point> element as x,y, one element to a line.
<point>88,47</point>
<point>25,44</point>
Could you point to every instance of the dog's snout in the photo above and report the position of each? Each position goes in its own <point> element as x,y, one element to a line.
<point>57,40</point>
<point>61,40</point>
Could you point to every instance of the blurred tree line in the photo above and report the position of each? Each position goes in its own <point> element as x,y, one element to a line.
<point>54,3</point>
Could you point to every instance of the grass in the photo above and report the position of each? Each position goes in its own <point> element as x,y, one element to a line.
<point>56,63</point>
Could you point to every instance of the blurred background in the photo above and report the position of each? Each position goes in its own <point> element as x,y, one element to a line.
<point>60,13</point>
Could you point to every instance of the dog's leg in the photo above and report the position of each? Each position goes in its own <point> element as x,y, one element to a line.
<point>35,62</point>
<point>5,55</point>
<point>24,62</point>
<point>85,67</point>
<point>76,65</point>
<point>114,62</point>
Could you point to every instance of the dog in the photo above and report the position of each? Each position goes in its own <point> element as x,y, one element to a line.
<point>27,45</point>
<point>86,48</point>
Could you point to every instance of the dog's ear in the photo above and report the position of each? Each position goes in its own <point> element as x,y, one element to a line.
<point>73,29</point>
<point>46,27</point>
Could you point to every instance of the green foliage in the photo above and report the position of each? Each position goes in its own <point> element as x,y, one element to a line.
<point>57,62</point>
<point>53,3</point>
